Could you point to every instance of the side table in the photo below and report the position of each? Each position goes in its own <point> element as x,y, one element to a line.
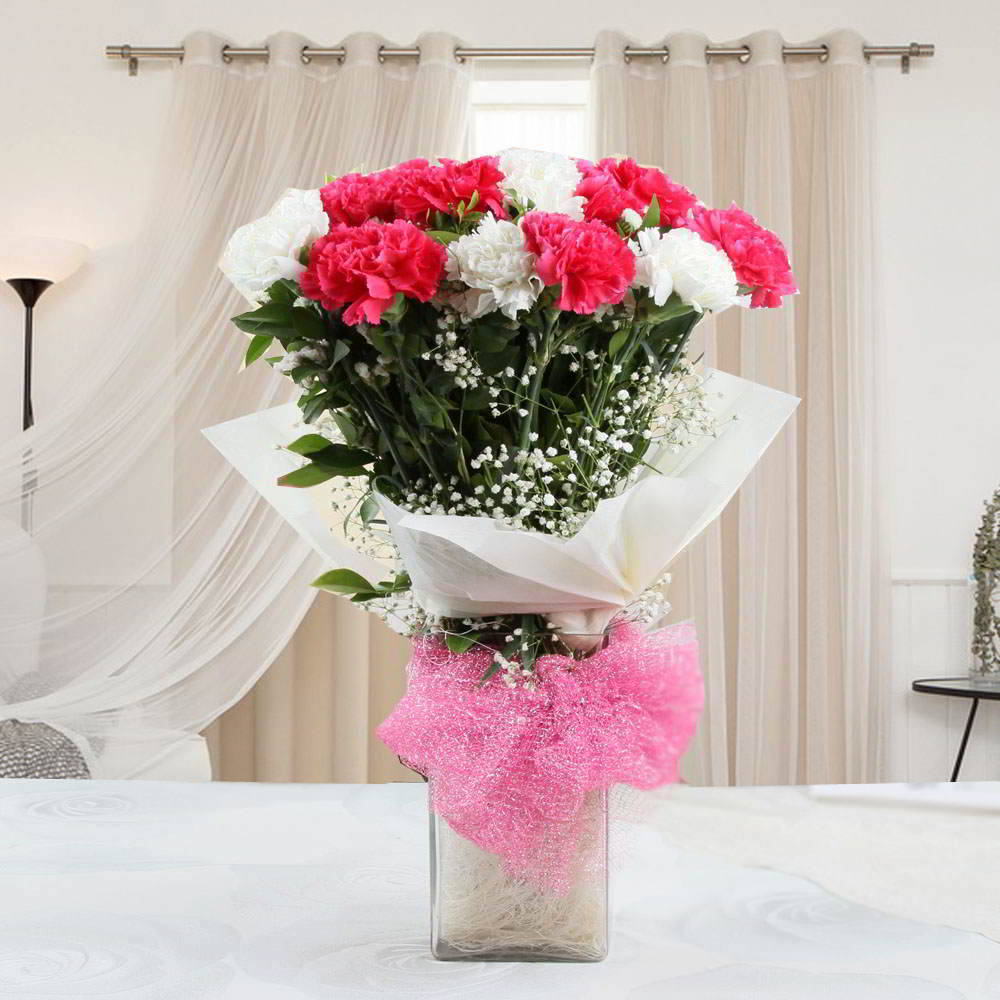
<point>960,687</point>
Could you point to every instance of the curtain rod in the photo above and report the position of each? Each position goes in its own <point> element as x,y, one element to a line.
<point>133,53</point>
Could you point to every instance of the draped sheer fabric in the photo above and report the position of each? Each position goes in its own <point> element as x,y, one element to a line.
<point>144,587</point>
<point>789,587</point>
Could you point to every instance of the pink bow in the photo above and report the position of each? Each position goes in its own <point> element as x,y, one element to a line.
<point>510,767</point>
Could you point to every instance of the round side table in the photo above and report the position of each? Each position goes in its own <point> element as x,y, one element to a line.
<point>960,687</point>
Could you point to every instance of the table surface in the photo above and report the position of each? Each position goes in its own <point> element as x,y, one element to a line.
<point>164,891</point>
<point>959,687</point>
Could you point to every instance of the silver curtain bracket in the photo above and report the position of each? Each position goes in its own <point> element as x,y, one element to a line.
<point>133,63</point>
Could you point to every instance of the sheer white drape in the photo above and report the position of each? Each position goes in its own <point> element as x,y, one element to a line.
<point>788,589</point>
<point>143,586</point>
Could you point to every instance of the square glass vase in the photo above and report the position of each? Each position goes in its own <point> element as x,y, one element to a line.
<point>480,913</point>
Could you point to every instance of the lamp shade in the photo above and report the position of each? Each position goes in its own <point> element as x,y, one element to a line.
<point>42,257</point>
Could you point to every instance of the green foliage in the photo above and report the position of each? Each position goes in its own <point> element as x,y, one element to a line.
<point>259,343</point>
<point>326,460</point>
<point>443,236</point>
<point>652,217</point>
<point>459,643</point>
<point>347,582</point>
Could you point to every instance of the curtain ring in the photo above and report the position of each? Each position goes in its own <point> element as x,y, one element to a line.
<point>825,56</point>
<point>744,56</point>
<point>304,56</point>
<point>459,58</point>
<point>625,55</point>
<point>226,57</point>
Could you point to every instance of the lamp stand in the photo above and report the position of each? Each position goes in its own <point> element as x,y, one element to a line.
<point>30,291</point>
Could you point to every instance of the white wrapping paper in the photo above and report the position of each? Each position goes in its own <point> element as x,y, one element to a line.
<point>472,566</point>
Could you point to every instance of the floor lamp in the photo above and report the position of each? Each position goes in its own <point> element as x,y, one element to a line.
<point>31,264</point>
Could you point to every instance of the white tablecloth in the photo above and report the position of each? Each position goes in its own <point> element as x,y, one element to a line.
<point>170,891</point>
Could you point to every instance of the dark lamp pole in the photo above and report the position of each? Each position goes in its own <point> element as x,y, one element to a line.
<point>29,290</point>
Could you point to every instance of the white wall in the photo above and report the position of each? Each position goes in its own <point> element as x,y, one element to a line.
<point>80,136</point>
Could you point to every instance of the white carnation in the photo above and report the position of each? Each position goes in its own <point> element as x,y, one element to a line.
<point>681,261</point>
<point>262,252</point>
<point>632,218</point>
<point>546,179</point>
<point>500,273</point>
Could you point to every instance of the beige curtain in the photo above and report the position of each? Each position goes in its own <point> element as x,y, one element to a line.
<point>313,714</point>
<point>788,589</point>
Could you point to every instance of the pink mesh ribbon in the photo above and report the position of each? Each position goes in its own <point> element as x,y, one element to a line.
<point>511,768</point>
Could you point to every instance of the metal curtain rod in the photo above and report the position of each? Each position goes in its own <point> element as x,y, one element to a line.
<point>133,53</point>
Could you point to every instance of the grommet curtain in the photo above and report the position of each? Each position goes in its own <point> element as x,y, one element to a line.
<point>789,589</point>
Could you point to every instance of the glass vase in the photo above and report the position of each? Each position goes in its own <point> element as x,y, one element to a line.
<point>479,912</point>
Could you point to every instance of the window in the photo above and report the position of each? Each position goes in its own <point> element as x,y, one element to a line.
<point>549,114</point>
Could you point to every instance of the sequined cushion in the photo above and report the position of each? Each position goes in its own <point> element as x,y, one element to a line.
<point>35,750</point>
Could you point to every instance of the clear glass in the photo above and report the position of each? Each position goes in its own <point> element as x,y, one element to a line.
<point>480,913</point>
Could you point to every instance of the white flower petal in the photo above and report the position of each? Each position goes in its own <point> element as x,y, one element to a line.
<point>546,179</point>
<point>266,250</point>
<point>681,261</point>
<point>499,272</point>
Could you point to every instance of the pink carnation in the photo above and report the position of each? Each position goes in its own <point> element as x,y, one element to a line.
<point>441,188</point>
<point>610,186</point>
<point>413,190</point>
<point>363,267</point>
<point>591,263</point>
<point>353,199</point>
<point>758,256</point>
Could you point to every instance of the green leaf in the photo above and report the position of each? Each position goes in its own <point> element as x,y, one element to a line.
<point>308,475</point>
<point>476,399</point>
<point>459,643</point>
<point>617,342</point>
<point>272,314</point>
<point>259,343</point>
<point>670,309</point>
<point>284,291</point>
<point>652,217</point>
<point>428,411</point>
<point>443,236</point>
<point>396,311</point>
<point>347,428</point>
<point>559,402</point>
<point>341,455</point>
<point>369,510</point>
<point>308,443</point>
<point>343,581</point>
<point>308,324</point>
<point>339,351</point>
<point>490,339</point>
<point>329,178</point>
<point>313,406</point>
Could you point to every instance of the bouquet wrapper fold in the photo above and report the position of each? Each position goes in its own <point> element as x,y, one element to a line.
<point>473,566</point>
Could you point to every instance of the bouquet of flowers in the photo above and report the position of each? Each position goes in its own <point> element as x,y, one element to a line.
<point>498,405</point>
